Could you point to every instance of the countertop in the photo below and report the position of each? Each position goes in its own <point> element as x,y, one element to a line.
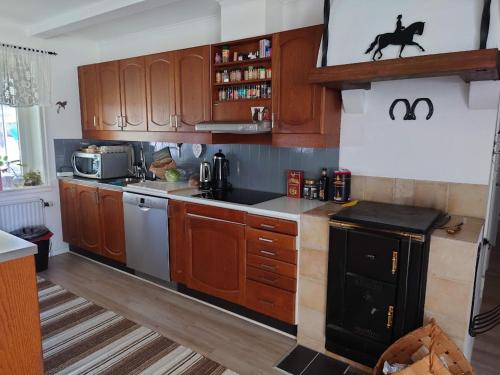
<point>282,208</point>
<point>470,232</point>
<point>12,247</point>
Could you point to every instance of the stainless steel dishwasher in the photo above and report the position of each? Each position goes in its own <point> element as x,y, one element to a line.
<point>146,235</point>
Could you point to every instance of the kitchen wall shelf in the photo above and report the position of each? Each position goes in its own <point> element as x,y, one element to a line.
<point>261,61</point>
<point>243,82</point>
<point>478,65</point>
<point>241,100</point>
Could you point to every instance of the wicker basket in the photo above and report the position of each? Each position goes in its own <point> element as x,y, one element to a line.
<point>436,341</point>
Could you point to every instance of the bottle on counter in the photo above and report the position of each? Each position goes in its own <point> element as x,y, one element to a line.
<point>324,183</point>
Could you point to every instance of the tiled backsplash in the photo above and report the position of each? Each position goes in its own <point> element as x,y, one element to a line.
<point>259,167</point>
<point>454,198</point>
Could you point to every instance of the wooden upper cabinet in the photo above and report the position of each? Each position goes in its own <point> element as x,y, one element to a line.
<point>296,102</point>
<point>192,84</point>
<point>89,96</point>
<point>133,94</point>
<point>160,91</point>
<point>216,257</point>
<point>69,212</point>
<point>89,223</point>
<point>109,94</point>
<point>112,224</point>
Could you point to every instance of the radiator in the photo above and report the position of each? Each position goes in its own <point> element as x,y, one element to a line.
<point>17,214</point>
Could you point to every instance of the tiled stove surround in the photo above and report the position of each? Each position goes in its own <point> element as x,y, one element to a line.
<point>259,167</point>
<point>452,259</point>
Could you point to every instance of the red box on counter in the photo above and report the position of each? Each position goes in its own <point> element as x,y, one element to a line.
<point>294,183</point>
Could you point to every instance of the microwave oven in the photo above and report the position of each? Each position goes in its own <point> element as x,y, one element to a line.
<point>100,166</point>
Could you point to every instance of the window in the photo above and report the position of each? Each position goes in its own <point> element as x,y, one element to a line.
<point>21,141</point>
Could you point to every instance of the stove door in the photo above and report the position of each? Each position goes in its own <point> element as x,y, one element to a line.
<point>369,308</point>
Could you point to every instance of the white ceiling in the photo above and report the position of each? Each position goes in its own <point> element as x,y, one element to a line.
<point>100,20</point>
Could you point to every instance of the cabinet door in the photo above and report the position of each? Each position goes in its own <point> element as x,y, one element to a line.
<point>177,241</point>
<point>88,215</point>
<point>108,80</point>
<point>192,84</point>
<point>133,94</point>
<point>112,225</point>
<point>69,210</point>
<point>296,103</point>
<point>160,93</point>
<point>89,97</point>
<point>216,257</point>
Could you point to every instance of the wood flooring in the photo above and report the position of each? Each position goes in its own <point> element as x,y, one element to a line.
<point>233,342</point>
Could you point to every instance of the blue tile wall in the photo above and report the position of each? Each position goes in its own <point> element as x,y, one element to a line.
<point>261,167</point>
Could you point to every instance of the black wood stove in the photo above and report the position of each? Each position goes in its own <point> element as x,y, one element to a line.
<point>377,273</point>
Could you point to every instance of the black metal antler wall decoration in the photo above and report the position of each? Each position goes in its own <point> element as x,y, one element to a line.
<point>410,109</point>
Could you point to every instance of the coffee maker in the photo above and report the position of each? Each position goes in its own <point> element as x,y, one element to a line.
<point>220,172</point>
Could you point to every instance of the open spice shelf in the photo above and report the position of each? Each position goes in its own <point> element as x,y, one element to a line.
<point>477,65</point>
<point>243,82</point>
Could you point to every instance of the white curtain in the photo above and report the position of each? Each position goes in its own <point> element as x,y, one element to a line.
<point>25,77</point>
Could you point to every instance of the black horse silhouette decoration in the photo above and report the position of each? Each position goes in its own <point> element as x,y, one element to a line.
<point>401,37</point>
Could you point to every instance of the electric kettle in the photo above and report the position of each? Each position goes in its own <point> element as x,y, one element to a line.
<point>220,172</point>
<point>205,175</point>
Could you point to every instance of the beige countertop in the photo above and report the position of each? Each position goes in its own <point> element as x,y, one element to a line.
<point>12,247</point>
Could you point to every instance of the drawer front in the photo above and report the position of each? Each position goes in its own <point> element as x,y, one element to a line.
<point>272,279</point>
<point>271,265</point>
<point>272,251</point>
<point>270,301</point>
<point>373,256</point>
<point>216,212</point>
<point>272,224</point>
<point>270,238</point>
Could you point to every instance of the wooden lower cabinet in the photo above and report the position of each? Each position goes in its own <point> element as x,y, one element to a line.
<point>92,219</point>
<point>216,257</point>
<point>216,251</point>
<point>177,239</point>
<point>112,224</point>
<point>88,218</point>
<point>20,333</point>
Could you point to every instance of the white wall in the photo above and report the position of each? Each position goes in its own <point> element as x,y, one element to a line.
<point>71,53</point>
<point>455,145</point>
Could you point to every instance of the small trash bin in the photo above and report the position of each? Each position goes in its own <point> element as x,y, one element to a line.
<point>40,236</point>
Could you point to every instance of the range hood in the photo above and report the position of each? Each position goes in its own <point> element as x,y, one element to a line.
<point>234,127</point>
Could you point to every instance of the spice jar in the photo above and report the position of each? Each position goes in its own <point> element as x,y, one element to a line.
<point>218,77</point>
<point>310,189</point>
<point>225,54</point>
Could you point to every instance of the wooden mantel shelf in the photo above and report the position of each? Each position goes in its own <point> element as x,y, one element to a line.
<point>478,65</point>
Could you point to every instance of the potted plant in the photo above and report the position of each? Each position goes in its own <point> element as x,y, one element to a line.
<point>32,178</point>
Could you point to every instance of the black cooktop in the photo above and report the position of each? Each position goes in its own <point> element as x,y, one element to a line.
<point>389,216</point>
<point>239,196</point>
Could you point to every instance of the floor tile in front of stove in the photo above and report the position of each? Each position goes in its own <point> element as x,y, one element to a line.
<point>304,361</point>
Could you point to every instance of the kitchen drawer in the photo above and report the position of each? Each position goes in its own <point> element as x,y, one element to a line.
<point>271,265</point>
<point>216,212</point>
<point>277,239</point>
<point>270,301</point>
<point>269,250</point>
<point>272,279</point>
<point>272,224</point>
<point>373,256</point>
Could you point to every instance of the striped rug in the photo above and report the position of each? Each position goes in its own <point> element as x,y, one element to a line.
<point>80,337</point>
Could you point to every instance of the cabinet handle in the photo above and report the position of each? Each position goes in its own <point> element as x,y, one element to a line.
<point>394,262</point>
<point>266,280</point>
<point>267,253</point>
<point>390,316</point>
<point>177,122</point>
<point>171,122</point>
<point>124,121</point>
<point>267,226</point>
<point>265,239</point>
<point>119,121</point>
<point>272,120</point>
<point>268,267</point>
<point>95,122</point>
<point>266,302</point>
